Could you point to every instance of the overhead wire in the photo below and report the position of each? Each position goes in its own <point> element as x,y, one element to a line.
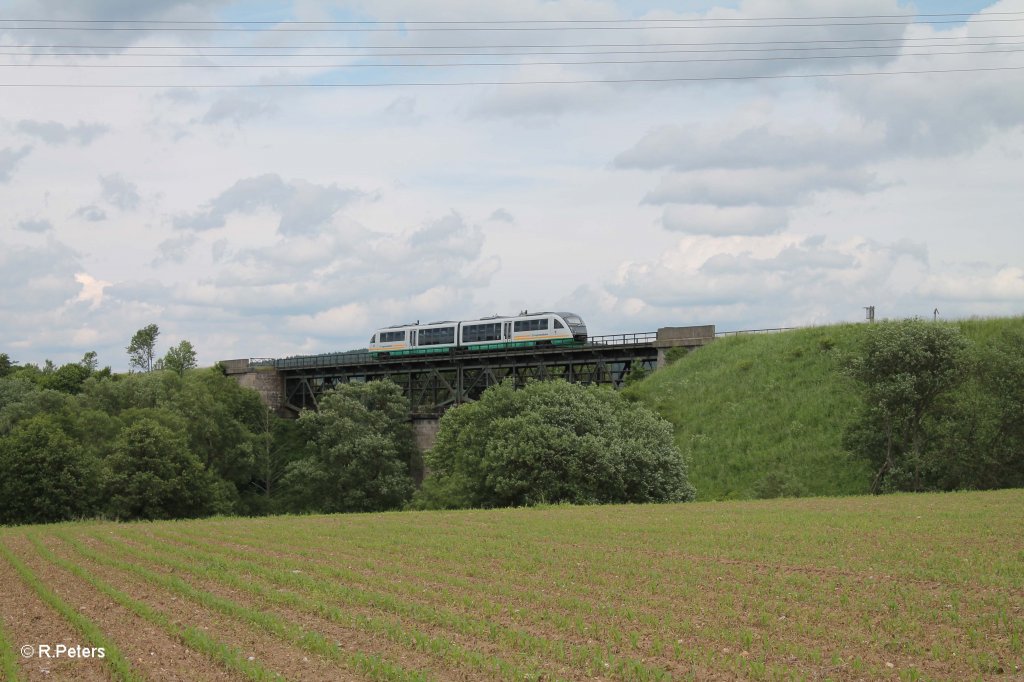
<point>652,53</point>
<point>416,22</point>
<point>289,29</point>
<point>306,53</point>
<point>703,60</point>
<point>529,82</point>
<point>899,39</point>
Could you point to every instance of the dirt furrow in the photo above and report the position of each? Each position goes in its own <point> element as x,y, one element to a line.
<point>256,645</point>
<point>367,639</point>
<point>30,622</point>
<point>155,653</point>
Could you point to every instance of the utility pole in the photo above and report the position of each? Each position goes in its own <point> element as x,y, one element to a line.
<point>870,310</point>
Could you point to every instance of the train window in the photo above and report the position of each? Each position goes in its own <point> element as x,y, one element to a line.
<point>390,337</point>
<point>373,339</point>
<point>481,332</point>
<point>573,319</point>
<point>531,325</point>
<point>559,325</point>
<point>436,337</point>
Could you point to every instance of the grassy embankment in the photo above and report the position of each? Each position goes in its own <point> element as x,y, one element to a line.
<point>763,415</point>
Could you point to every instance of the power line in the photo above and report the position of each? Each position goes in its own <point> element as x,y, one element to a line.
<point>508,21</point>
<point>489,47</point>
<point>279,29</point>
<point>501,83</point>
<point>701,60</point>
<point>204,54</point>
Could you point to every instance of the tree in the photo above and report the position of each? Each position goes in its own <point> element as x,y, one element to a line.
<point>89,361</point>
<point>47,476</point>
<point>979,439</point>
<point>553,442</point>
<point>153,475</point>
<point>906,369</point>
<point>278,442</point>
<point>363,457</point>
<point>67,378</point>
<point>180,358</point>
<point>7,365</point>
<point>142,347</point>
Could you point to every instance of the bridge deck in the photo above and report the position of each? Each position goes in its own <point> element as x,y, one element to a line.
<point>434,382</point>
<point>352,359</point>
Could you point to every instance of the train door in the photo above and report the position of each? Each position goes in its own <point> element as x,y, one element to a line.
<point>507,331</point>
<point>412,338</point>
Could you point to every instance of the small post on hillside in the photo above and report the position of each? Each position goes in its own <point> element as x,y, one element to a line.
<point>870,309</point>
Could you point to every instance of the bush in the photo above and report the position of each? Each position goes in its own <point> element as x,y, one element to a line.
<point>676,353</point>
<point>552,442</point>
<point>363,455</point>
<point>153,475</point>
<point>910,372</point>
<point>46,475</point>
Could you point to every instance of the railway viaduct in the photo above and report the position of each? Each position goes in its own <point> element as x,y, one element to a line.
<point>433,383</point>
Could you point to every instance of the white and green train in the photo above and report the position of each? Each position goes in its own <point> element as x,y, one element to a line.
<point>487,333</point>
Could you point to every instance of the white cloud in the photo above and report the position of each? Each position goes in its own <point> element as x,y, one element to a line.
<point>9,158</point>
<point>92,289</point>
<point>53,132</point>
<point>119,192</point>
<point>303,206</point>
<point>727,220</point>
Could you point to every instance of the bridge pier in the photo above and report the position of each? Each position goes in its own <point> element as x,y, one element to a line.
<point>424,431</point>
<point>684,337</point>
<point>262,378</point>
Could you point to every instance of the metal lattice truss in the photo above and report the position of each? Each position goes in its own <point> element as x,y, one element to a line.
<point>434,383</point>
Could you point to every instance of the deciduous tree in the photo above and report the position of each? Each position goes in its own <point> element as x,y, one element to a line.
<point>553,442</point>
<point>906,369</point>
<point>153,475</point>
<point>46,475</point>
<point>142,347</point>
<point>180,358</point>
<point>363,456</point>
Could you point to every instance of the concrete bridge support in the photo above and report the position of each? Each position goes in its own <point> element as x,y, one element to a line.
<point>684,337</point>
<point>264,379</point>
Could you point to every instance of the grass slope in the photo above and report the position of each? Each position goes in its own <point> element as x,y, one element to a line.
<point>762,415</point>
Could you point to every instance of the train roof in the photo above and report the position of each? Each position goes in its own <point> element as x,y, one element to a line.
<point>478,319</point>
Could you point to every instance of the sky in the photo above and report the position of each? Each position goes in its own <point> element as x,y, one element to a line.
<point>287,187</point>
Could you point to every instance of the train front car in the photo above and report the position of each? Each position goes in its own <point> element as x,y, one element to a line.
<point>391,339</point>
<point>576,325</point>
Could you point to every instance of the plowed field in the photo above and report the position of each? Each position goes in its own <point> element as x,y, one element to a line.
<point>902,587</point>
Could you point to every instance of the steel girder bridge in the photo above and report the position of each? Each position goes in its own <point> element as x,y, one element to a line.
<point>433,383</point>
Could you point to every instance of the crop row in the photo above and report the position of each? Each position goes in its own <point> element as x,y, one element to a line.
<point>556,593</point>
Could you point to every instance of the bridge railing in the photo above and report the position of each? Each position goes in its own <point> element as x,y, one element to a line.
<point>324,360</point>
<point>631,339</point>
<point>773,330</point>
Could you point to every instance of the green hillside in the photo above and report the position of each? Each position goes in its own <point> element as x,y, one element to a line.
<point>762,415</point>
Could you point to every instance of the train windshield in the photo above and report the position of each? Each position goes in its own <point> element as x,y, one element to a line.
<point>573,319</point>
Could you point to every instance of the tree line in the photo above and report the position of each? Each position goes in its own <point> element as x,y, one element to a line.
<point>169,440</point>
<point>939,411</point>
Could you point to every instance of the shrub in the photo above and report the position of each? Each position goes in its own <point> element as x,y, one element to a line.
<point>553,442</point>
